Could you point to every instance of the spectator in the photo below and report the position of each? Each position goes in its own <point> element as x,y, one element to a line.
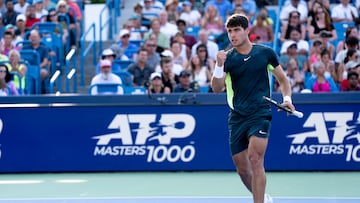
<point>154,4</point>
<point>212,21</point>
<point>140,71</point>
<point>137,30</point>
<point>125,44</point>
<point>20,28</point>
<point>265,32</point>
<point>179,57</point>
<point>16,66</point>
<point>169,78</point>
<point>53,17</point>
<point>295,37</point>
<point>330,70</point>
<point>48,4</point>
<point>148,10</point>
<point>268,20</point>
<point>204,58</point>
<point>162,39</point>
<point>39,9</point>
<point>294,75</point>
<point>350,31</point>
<point>294,6</point>
<point>167,28</point>
<point>212,47</point>
<point>344,12</point>
<point>293,23</point>
<point>2,7</point>
<point>156,85</point>
<point>351,43</point>
<point>106,77</point>
<point>67,21</point>
<point>171,9</point>
<point>352,82</point>
<point>10,16</point>
<point>153,58</point>
<point>109,54</point>
<point>301,60</point>
<point>320,83</point>
<point>189,39</point>
<point>185,83</point>
<point>321,23</point>
<point>7,45</point>
<point>176,68</point>
<point>21,6</point>
<point>248,6</point>
<point>222,6</point>
<point>7,87</point>
<point>199,73</point>
<point>31,17</point>
<point>352,58</point>
<point>325,37</point>
<point>315,50</point>
<point>190,16</point>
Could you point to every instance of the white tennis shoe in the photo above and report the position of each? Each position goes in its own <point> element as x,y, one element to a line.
<point>268,198</point>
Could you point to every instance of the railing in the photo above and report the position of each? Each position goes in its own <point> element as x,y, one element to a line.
<point>56,78</point>
<point>84,51</point>
<point>108,22</point>
<point>70,74</point>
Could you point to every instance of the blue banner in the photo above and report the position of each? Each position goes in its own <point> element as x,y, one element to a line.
<point>169,137</point>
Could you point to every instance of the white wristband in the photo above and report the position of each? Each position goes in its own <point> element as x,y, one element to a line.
<point>218,71</point>
<point>287,99</point>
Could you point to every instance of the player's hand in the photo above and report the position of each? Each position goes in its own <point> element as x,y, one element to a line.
<point>221,57</point>
<point>288,105</point>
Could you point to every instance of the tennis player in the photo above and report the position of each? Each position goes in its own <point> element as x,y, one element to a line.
<point>244,71</point>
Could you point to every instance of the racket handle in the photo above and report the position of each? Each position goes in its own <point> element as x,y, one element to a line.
<point>297,114</point>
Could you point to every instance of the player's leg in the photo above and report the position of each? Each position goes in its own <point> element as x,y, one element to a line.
<point>256,153</point>
<point>243,168</point>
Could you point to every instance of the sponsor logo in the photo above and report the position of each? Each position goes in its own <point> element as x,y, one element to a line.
<point>329,133</point>
<point>151,135</point>
<point>247,58</point>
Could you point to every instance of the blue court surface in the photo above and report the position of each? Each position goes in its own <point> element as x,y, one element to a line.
<point>187,200</point>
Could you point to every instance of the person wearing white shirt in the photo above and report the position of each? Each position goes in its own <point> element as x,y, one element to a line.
<point>212,47</point>
<point>344,12</point>
<point>167,28</point>
<point>295,37</point>
<point>294,6</point>
<point>191,17</point>
<point>106,77</point>
<point>20,6</point>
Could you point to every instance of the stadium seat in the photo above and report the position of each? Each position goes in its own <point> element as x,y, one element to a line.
<point>341,27</point>
<point>126,78</point>
<point>106,89</point>
<point>123,63</point>
<point>193,30</point>
<point>32,61</point>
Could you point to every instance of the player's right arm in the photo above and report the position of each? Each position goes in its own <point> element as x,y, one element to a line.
<point>218,77</point>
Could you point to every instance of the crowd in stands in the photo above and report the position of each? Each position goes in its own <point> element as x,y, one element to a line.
<point>180,40</point>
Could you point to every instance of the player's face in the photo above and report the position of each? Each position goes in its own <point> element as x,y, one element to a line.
<point>237,35</point>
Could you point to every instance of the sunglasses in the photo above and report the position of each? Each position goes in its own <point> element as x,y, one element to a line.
<point>2,71</point>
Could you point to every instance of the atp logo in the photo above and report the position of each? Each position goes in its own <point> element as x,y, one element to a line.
<point>151,134</point>
<point>331,133</point>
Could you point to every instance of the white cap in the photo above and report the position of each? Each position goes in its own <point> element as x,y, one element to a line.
<point>108,52</point>
<point>124,32</point>
<point>21,17</point>
<point>167,53</point>
<point>154,75</point>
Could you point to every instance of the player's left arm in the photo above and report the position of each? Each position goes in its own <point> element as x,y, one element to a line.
<point>285,86</point>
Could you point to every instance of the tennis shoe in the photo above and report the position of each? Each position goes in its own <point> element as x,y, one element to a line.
<point>268,198</point>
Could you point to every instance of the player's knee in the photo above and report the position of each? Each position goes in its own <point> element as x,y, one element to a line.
<point>256,161</point>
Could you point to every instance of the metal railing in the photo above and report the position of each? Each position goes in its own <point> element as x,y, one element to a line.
<point>85,50</point>
<point>70,74</point>
<point>56,78</point>
<point>108,22</point>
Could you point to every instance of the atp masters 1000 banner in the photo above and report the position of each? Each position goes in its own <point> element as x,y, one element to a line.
<point>162,138</point>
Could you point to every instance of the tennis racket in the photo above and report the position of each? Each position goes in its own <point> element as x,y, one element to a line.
<point>279,106</point>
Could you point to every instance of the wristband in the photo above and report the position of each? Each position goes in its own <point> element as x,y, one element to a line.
<point>287,99</point>
<point>218,71</point>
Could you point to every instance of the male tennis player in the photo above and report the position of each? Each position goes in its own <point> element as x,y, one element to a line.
<point>245,71</point>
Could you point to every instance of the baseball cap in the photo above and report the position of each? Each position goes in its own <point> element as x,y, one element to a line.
<point>187,3</point>
<point>167,53</point>
<point>293,45</point>
<point>124,32</point>
<point>253,37</point>
<point>155,75</point>
<point>108,52</point>
<point>21,17</point>
<point>9,26</point>
<point>317,41</point>
<point>184,73</point>
<point>37,1</point>
<point>105,62</point>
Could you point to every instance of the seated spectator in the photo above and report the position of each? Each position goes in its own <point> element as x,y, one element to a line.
<point>352,57</point>
<point>350,66</point>
<point>344,12</point>
<point>139,70</point>
<point>156,85</point>
<point>212,22</point>
<point>264,32</point>
<point>7,44</point>
<point>212,47</point>
<point>31,17</point>
<point>301,60</point>
<point>20,28</point>
<point>295,37</point>
<point>179,55</point>
<point>167,28</point>
<point>190,16</point>
<point>9,17</point>
<point>185,83</point>
<point>171,7</point>
<point>293,23</point>
<point>326,44</point>
<point>352,82</point>
<point>169,78</point>
<point>148,9</point>
<point>53,17</point>
<point>16,66</point>
<point>109,55</point>
<point>351,43</point>
<point>248,6</point>
<point>163,40</point>
<point>39,9</point>
<point>268,20</point>
<point>329,63</point>
<point>222,7</point>
<point>315,51</point>
<point>21,6</point>
<point>137,29</point>
<point>350,31</point>
<point>125,44</point>
<point>153,58</point>
<point>199,73</point>
<point>205,60</point>
<point>67,20</point>
<point>321,23</point>
<point>294,76</point>
<point>294,5</point>
<point>320,83</point>
<point>106,77</point>
<point>7,87</point>
<point>168,55</point>
<point>189,39</point>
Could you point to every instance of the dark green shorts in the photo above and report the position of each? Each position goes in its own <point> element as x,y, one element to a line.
<point>242,127</point>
